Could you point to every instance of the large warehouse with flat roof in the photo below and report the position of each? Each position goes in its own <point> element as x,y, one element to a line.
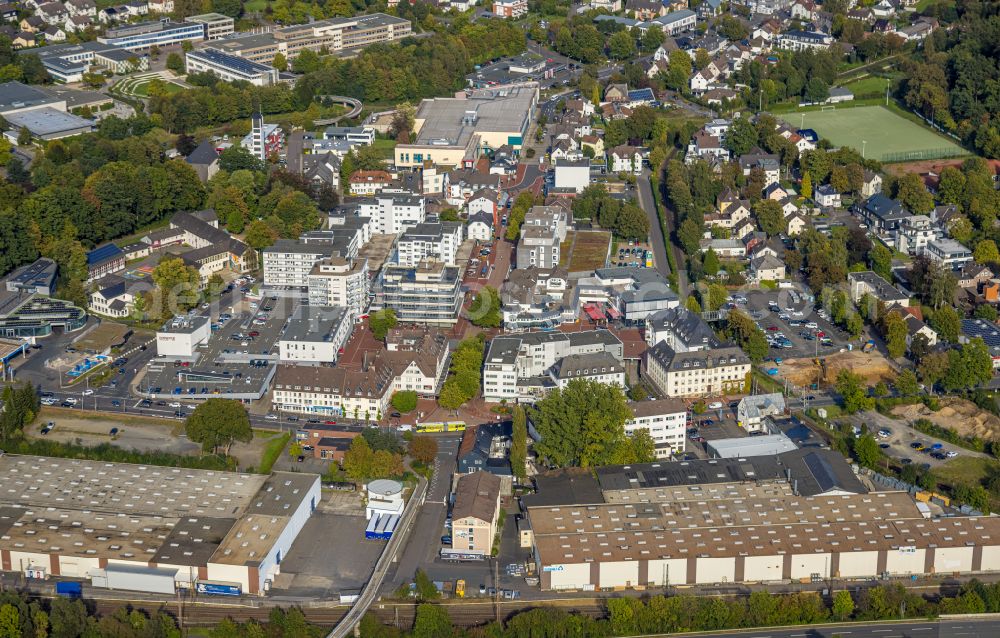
<point>798,516</point>
<point>83,519</point>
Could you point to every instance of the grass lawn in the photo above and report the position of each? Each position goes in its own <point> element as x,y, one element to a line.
<point>141,88</point>
<point>255,5</point>
<point>967,470</point>
<point>867,85</point>
<point>884,131</point>
<point>386,148</point>
<point>590,250</point>
<point>564,248</point>
<point>275,445</point>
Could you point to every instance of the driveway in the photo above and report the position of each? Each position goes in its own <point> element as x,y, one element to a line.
<point>647,202</point>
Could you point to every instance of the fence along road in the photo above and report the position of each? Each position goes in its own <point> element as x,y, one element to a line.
<point>388,556</point>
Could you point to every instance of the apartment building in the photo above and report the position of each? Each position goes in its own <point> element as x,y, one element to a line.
<point>696,374</point>
<point>332,35</point>
<point>393,213</point>
<point>516,367</point>
<point>288,264</point>
<point>510,8</point>
<point>432,239</point>
<point>336,281</point>
<point>948,252</point>
<point>599,367</point>
<point>681,329</point>
<point>430,292</point>
<point>868,282</point>
<point>666,422</point>
<point>333,391</point>
<point>315,334</point>
<point>476,512</point>
<point>542,233</point>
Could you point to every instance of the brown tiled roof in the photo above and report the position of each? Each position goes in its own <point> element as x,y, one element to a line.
<point>476,496</point>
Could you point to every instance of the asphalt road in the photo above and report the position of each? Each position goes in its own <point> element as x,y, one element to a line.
<point>647,202</point>
<point>422,550</point>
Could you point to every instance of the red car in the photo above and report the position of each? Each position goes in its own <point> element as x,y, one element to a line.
<point>773,328</point>
<point>253,333</point>
<point>331,423</point>
<point>820,334</point>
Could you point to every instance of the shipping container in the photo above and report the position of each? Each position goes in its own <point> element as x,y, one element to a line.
<point>372,524</point>
<point>138,578</point>
<point>218,588</point>
<point>69,590</point>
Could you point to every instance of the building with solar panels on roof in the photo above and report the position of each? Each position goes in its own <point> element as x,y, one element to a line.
<point>104,260</point>
<point>230,67</point>
<point>988,331</point>
<point>799,516</point>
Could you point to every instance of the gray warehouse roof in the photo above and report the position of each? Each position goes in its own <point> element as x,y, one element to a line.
<point>47,121</point>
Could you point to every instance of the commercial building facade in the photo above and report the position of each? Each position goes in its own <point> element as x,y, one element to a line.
<point>696,374</point>
<point>230,67</point>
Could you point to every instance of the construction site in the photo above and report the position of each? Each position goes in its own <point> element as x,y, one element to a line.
<point>806,371</point>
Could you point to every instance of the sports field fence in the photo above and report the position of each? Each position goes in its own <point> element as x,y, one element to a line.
<point>923,154</point>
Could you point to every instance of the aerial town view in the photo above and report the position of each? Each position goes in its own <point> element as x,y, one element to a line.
<point>499,318</point>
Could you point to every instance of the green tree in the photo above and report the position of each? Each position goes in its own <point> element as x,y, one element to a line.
<point>621,45</point>
<point>432,621</point>
<point>770,217</point>
<point>260,235</point>
<point>894,330</point>
<point>424,587</point>
<point>947,323</point>
<point>850,387</point>
<point>10,621</point>
<point>405,401</point>
<point>24,136</point>
<point>219,423</point>
<point>715,297</point>
<point>906,383</point>
<point>583,425</point>
<point>484,311</point>
<point>983,311</point>
<point>843,605</point>
<point>652,39</point>
<point>742,135</point>
<point>881,260</point>
<point>745,332</point>
<point>911,193</point>
<point>807,186</point>
<point>175,63</point>
<point>867,451</point>
<point>986,252</point>
<point>381,322</point>
<point>519,444</point>
<point>710,263</point>
<point>678,70</point>
<point>177,285</point>
<point>280,62</point>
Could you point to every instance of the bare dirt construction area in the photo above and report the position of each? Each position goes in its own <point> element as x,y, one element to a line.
<point>872,366</point>
<point>142,434</point>
<point>959,415</point>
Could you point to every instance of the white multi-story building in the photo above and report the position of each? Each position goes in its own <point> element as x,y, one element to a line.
<point>335,281</point>
<point>230,67</point>
<point>948,252</point>
<point>288,263</point>
<point>542,233</point>
<point>915,233</point>
<point>315,334</point>
<point>696,374</point>
<point>531,355</point>
<point>181,335</point>
<point>752,410</point>
<point>572,174</point>
<point>429,293</point>
<point>430,240</point>
<point>393,213</point>
<point>510,8</point>
<point>666,422</point>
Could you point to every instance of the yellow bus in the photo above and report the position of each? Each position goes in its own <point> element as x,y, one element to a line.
<point>447,426</point>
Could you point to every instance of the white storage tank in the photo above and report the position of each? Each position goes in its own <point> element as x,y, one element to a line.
<point>385,496</point>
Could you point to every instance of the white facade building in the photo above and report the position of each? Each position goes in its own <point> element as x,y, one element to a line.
<point>181,335</point>
<point>335,281</point>
<point>315,334</point>
<point>666,422</point>
<point>696,374</point>
<point>393,212</point>
<point>430,240</point>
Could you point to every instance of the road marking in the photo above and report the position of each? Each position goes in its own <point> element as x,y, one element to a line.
<point>921,629</point>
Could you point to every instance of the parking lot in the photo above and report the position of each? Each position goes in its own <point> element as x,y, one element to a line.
<point>905,445</point>
<point>238,358</point>
<point>792,326</point>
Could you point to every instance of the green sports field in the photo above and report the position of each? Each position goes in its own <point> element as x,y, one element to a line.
<point>877,129</point>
